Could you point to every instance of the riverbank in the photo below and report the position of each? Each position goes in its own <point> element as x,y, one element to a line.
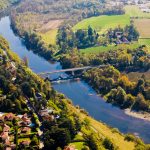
<point>140,115</point>
<point>79,92</point>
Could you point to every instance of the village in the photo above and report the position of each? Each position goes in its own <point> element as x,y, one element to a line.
<point>22,130</point>
<point>143,5</point>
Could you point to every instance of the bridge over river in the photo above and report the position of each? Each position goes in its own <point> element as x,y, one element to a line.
<point>72,70</point>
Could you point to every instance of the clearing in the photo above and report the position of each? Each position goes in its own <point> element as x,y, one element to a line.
<point>49,37</point>
<point>102,23</point>
<point>53,24</point>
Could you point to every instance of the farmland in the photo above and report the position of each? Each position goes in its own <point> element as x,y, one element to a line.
<point>134,11</point>
<point>142,26</point>
<point>100,49</point>
<point>102,23</point>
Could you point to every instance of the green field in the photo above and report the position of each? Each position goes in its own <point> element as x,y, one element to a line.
<point>134,11</point>
<point>102,23</point>
<point>49,37</point>
<point>145,42</point>
<point>100,49</point>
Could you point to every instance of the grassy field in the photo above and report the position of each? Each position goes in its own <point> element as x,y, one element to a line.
<point>102,23</point>
<point>49,37</point>
<point>134,11</point>
<point>143,27</point>
<point>104,131</point>
<point>100,49</point>
<point>145,42</point>
<point>77,145</point>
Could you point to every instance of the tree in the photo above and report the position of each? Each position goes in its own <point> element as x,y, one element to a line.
<point>108,144</point>
<point>120,96</point>
<point>26,88</point>
<point>56,137</point>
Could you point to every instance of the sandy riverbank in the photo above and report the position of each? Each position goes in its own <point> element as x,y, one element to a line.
<point>140,115</point>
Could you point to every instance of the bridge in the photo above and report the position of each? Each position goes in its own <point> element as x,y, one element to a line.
<point>72,70</point>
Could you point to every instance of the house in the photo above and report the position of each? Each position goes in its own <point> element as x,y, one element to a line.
<point>9,117</point>
<point>13,146</point>
<point>69,148</point>
<point>38,96</point>
<point>1,120</point>
<point>7,142</point>
<point>6,128</point>
<point>118,42</point>
<point>25,130</point>
<point>46,114</point>
<point>25,120</point>
<point>25,143</point>
<point>119,34</point>
<point>124,40</point>
<point>4,136</point>
<point>12,68</point>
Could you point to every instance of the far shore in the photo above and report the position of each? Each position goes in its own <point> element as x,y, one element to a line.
<point>140,115</point>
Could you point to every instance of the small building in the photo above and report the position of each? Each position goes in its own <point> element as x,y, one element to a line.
<point>9,117</point>
<point>25,130</point>
<point>6,128</point>
<point>25,120</point>
<point>38,96</point>
<point>4,136</point>
<point>119,34</point>
<point>25,143</point>
<point>69,148</point>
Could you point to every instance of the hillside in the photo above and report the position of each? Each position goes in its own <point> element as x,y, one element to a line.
<point>34,94</point>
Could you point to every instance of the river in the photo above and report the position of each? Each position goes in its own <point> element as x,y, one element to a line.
<point>78,91</point>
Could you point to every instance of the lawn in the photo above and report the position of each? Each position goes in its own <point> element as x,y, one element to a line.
<point>49,37</point>
<point>102,23</point>
<point>134,11</point>
<point>100,49</point>
<point>143,27</point>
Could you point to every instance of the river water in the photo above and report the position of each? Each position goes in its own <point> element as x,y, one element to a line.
<point>78,91</point>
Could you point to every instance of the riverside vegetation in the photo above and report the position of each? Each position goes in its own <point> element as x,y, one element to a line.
<point>19,84</point>
<point>124,58</point>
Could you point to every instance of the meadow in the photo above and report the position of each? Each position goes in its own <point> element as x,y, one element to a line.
<point>144,42</point>
<point>102,23</point>
<point>100,49</point>
<point>49,37</point>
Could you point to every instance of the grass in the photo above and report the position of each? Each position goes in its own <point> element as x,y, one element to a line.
<point>102,23</point>
<point>144,42</point>
<point>100,49</point>
<point>77,145</point>
<point>134,11</point>
<point>105,131</point>
<point>49,37</point>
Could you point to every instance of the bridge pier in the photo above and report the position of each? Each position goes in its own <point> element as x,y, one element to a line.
<point>72,73</point>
